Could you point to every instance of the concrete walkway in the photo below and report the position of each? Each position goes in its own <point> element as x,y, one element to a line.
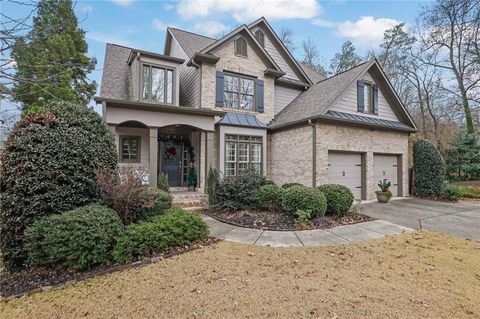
<point>456,219</point>
<point>318,237</point>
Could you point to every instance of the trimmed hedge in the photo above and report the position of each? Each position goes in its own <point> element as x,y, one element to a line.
<point>288,185</point>
<point>296,198</point>
<point>175,228</point>
<point>428,168</point>
<point>239,192</point>
<point>269,197</point>
<point>151,202</point>
<point>48,167</point>
<point>77,239</point>
<point>339,198</point>
<point>452,193</point>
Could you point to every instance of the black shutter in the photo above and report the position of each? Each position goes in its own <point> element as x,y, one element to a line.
<point>219,89</point>
<point>260,100</point>
<point>360,96</point>
<point>375,99</point>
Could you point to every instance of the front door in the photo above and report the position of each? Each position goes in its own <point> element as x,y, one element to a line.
<point>171,159</point>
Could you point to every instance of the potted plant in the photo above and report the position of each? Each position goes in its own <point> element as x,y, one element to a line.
<point>384,194</point>
<point>192,179</point>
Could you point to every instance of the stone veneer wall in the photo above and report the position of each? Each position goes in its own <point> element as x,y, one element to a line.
<point>290,152</point>
<point>290,156</point>
<point>251,65</point>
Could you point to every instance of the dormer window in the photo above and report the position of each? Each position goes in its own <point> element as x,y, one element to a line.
<point>157,84</point>
<point>241,47</point>
<point>260,37</point>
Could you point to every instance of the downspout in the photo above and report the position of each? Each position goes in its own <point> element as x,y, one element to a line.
<point>314,153</point>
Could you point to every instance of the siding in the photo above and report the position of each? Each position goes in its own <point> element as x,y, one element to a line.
<point>277,57</point>
<point>348,103</point>
<point>283,97</point>
<point>188,77</point>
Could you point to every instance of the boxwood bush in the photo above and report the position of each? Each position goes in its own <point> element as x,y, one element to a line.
<point>452,192</point>
<point>428,169</point>
<point>288,185</point>
<point>296,198</point>
<point>175,228</point>
<point>269,197</point>
<point>239,192</point>
<point>151,202</point>
<point>339,198</point>
<point>77,239</point>
<point>48,167</point>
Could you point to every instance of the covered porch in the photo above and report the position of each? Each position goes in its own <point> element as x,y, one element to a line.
<point>173,143</point>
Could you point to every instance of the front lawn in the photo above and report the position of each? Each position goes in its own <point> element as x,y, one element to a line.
<point>413,275</point>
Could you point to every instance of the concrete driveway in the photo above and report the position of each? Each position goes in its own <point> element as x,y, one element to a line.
<point>457,219</point>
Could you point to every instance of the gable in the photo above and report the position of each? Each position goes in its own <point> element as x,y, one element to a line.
<point>347,102</point>
<point>280,59</point>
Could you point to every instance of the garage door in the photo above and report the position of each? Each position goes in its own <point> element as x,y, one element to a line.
<point>346,169</point>
<point>385,166</point>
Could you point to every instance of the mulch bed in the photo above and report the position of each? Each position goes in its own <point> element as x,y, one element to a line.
<point>35,280</point>
<point>281,221</point>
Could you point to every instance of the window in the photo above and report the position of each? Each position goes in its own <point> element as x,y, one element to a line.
<point>239,92</point>
<point>242,152</point>
<point>260,37</point>
<point>241,47</point>
<point>367,98</point>
<point>130,149</point>
<point>157,84</point>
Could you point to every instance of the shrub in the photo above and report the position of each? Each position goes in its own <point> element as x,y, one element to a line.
<point>150,202</point>
<point>303,217</point>
<point>175,228</point>
<point>428,168</point>
<point>463,158</point>
<point>296,198</point>
<point>269,197</point>
<point>239,192</point>
<point>48,167</point>
<point>452,193</point>
<point>212,185</point>
<point>163,182</point>
<point>288,185</point>
<point>77,239</point>
<point>470,192</point>
<point>339,198</point>
<point>121,187</point>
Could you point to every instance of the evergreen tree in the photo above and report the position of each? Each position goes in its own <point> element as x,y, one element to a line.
<point>463,159</point>
<point>346,59</point>
<point>51,59</point>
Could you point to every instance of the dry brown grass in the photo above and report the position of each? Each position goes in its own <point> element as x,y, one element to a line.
<point>413,275</point>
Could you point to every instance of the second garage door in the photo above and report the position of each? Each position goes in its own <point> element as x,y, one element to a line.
<point>385,167</point>
<point>346,169</point>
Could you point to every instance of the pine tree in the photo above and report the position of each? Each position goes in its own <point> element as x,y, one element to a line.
<point>51,59</point>
<point>346,59</point>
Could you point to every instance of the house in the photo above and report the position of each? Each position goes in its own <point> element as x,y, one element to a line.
<point>244,100</point>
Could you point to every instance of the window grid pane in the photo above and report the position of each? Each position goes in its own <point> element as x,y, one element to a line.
<point>367,95</point>
<point>158,85</point>
<point>242,152</point>
<point>146,82</point>
<point>169,86</point>
<point>129,149</point>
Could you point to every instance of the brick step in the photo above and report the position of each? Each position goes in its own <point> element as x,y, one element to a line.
<point>194,209</point>
<point>193,197</point>
<point>187,204</point>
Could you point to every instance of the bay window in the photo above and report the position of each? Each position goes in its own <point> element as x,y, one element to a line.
<point>157,84</point>
<point>242,152</point>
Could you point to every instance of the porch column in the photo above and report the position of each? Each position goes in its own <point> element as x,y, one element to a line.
<point>208,155</point>
<point>153,145</point>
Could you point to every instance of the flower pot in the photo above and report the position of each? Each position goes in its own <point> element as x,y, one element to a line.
<point>383,198</point>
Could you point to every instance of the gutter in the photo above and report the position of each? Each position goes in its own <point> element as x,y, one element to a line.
<point>314,152</point>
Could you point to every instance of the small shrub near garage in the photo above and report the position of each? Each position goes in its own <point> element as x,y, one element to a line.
<point>175,228</point>
<point>339,198</point>
<point>269,197</point>
<point>77,239</point>
<point>151,202</point>
<point>452,193</point>
<point>428,168</point>
<point>296,198</point>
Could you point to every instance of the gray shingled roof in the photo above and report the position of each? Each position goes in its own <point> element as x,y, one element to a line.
<point>241,119</point>
<point>191,42</point>
<point>311,73</point>
<point>316,100</point>
<point>116,73</point>
<point>366,119</point>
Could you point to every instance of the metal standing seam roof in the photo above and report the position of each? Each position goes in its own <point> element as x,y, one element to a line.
<point>241,119</point>
<point>366,119</point>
